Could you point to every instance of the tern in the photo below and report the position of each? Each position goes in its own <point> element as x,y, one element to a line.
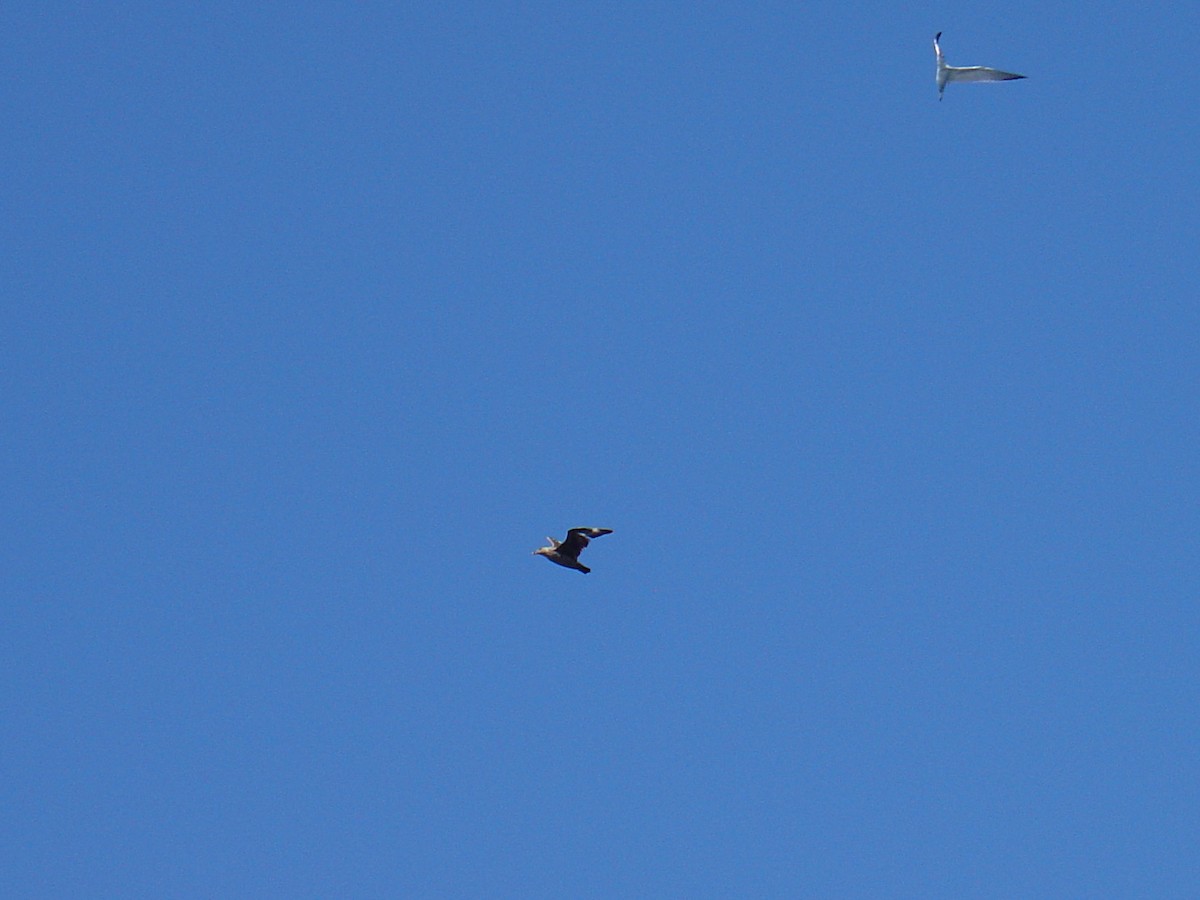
<point>566,553</point>
<point>946,74</point>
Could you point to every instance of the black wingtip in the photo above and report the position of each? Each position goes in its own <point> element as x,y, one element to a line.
<point>938,36</point>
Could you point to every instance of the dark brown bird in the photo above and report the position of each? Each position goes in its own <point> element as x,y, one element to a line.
<point>566,553</point>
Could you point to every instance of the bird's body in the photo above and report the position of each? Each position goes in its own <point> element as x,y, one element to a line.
<point>566,553</point>
<point>947,74</point>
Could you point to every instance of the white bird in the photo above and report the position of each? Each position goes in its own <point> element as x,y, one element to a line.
<point>566,553</point>
<point>946,74</point>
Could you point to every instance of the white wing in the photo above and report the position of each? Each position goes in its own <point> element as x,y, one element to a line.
<point>978,73</point>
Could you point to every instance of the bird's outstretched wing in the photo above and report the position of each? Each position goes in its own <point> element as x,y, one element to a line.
<point>980,73</point>
<point>577,539</point>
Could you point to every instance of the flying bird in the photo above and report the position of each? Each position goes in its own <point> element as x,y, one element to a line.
<point>566,553</point>
<point>946,74</point>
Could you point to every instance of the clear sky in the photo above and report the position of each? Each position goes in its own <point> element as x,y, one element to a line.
<point>318,317</point>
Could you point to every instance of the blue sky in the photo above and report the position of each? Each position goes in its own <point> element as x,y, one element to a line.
<point>320,317</point>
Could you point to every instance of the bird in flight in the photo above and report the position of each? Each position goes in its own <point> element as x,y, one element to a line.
<point>946,74</point>
<point>566,553</point>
